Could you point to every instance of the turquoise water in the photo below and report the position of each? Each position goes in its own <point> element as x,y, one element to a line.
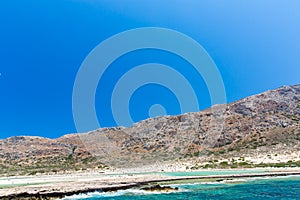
<point>216,172</point>
<point>275,188</point>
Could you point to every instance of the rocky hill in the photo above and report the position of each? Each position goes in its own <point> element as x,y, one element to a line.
<point>264,124</point>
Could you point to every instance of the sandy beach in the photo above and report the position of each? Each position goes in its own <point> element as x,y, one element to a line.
<point>59,186</point>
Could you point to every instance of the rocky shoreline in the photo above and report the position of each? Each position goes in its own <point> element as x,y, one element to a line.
<point>146,182</point>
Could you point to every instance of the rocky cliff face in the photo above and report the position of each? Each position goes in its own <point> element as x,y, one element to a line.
<point>263,122</point>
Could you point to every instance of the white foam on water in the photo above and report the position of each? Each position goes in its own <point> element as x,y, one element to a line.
<point>84,196</point>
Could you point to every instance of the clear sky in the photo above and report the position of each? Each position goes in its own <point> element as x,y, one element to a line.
<point>254,43</point>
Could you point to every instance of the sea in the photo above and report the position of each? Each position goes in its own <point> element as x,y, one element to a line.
<point>250,188</point>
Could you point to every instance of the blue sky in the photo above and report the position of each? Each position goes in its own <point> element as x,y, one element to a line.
<point>255,45</point>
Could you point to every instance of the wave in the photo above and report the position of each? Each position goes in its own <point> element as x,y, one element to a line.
<point>127,192</point>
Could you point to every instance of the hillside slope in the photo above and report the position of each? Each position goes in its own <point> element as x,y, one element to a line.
<point>263,124</point>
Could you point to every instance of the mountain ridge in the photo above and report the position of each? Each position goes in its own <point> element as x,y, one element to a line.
<point>114,127</point>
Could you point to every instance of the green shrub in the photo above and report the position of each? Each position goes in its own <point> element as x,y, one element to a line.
<point>32,173</point>
<point>224,164</point>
